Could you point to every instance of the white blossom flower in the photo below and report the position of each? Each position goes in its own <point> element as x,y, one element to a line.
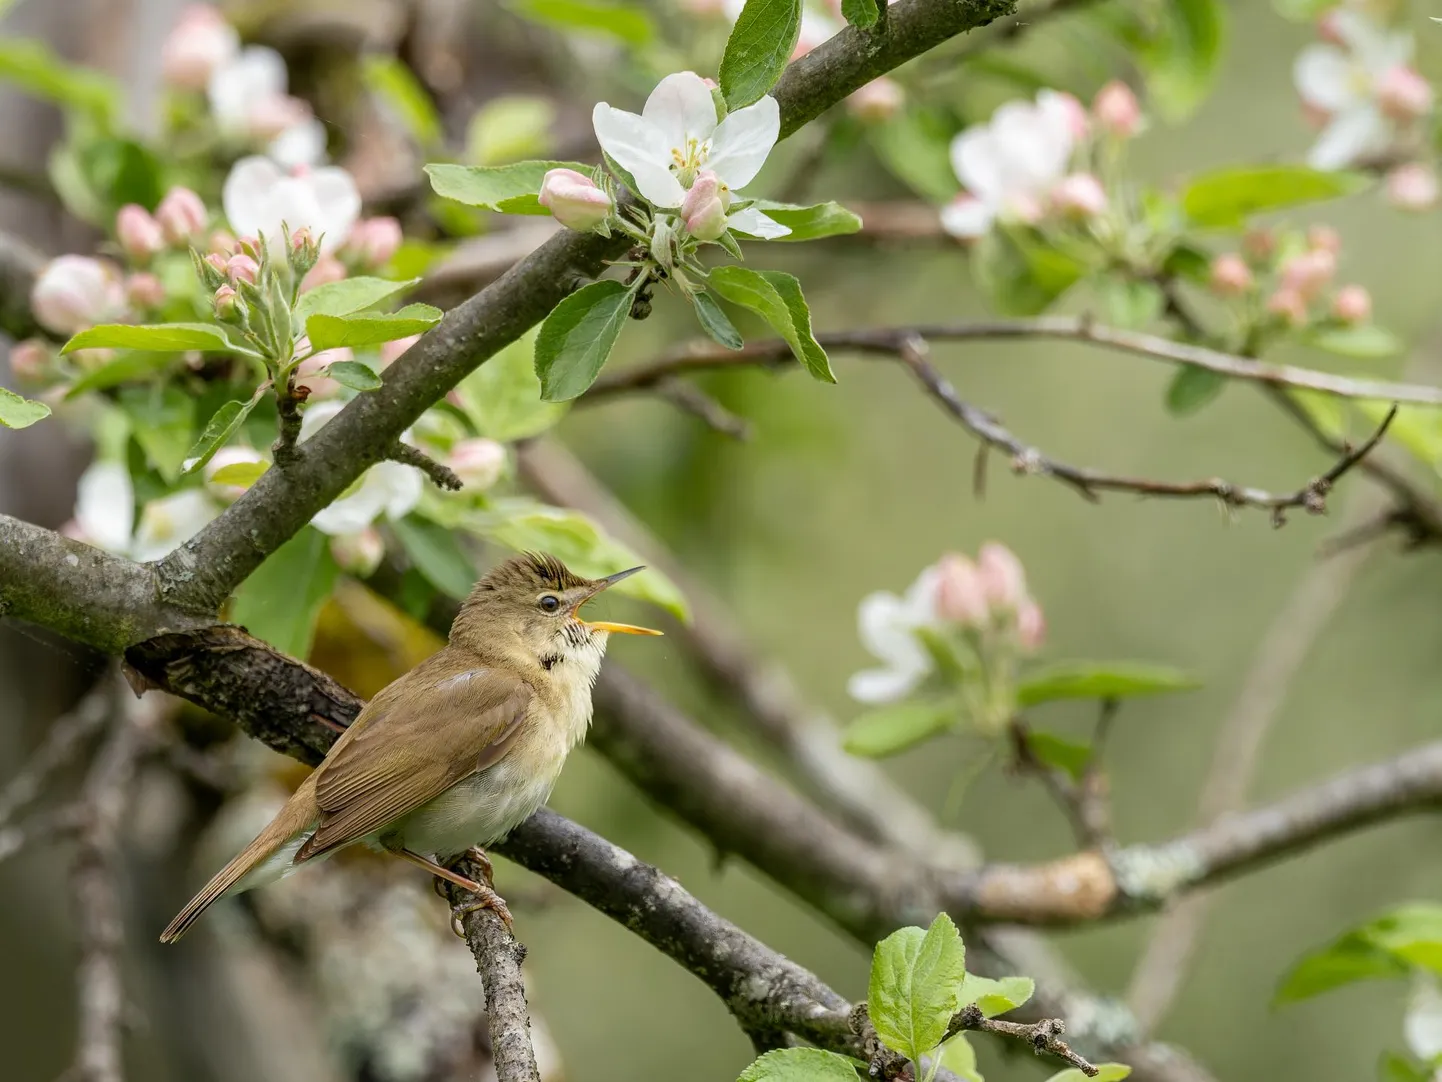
<point>168,523</point>
<point>200,42</point>
<point>105,514</point>
<point>259,195</point>
<point>387,488</point>
<point>73,292</point>
<point>248,97</point>
<point>1343,82</point>
<point>1422,1024</point>
<point>887,626</point>
<point>677,136</point>
<point>1010,164</point>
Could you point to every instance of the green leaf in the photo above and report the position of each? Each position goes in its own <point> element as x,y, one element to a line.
<point>1190,262</point>
<point>524,525</point>
<point>800,1065</point>
<point>1129,303</point>
<point>915,979</point>
<point>915,145</point>
<point>810,223</point>
<point>760,46</point>
<point>715,322</point>
<point>395,84</point>
<point>1182,58</point>
<point>437,554</point>
<point>623,22</point>
<point>1058,752</point>
<point>353,374</point>
<point>162,421</point>
<point>157,338</point>
<point>502,397</point>
<point>1394,1068</point>
<point>1192,388</point>
<point>34,69</point>
<point>127,367</point>
<point>115,172</point>
<point>958,1057</point>
<point>18,412</point>
<point>370,328</point>
<point>1226,198</point>
<point>509,189</point>
<point>1106,1072</point>
<point>347,296</point>
<point>861,13</point>
<point>1365,341</point>
<point>241,474</point>
<point>224,423</point>
<point>1351,958</point>
<point>577,337</point>
<point>509,128</point>
<point>776,297</point>
<point>1101,680</point>
<point>281,600</point>
<point>890,729</point>
<point>1416,428</point>
<point>1019,275</point>
<point>1412,933</point>
<point>995,997</point>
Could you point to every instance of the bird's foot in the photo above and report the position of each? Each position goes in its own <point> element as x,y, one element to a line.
<point>485,898</point>
<point>478,855</point>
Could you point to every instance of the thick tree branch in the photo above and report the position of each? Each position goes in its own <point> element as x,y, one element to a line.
<point>200,574</point>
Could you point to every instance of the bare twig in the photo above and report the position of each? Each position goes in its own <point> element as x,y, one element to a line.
<point>690,398</point>
<point>442,476</point>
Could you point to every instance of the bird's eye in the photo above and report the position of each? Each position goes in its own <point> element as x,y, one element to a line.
<point>549,602</point>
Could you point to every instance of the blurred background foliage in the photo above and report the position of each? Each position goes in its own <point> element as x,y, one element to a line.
<point>849,489</point>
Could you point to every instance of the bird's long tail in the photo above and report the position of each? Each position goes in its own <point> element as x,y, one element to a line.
<point>297,817</point>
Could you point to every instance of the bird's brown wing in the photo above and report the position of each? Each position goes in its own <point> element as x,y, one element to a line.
<point>410,745</point>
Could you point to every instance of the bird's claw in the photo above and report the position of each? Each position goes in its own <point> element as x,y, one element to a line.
<point>485,899</point>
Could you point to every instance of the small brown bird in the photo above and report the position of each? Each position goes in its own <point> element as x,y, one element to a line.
<point>458,751</point>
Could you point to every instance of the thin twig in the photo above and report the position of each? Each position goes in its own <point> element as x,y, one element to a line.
<point>690,398</point>
<point>442,476</point>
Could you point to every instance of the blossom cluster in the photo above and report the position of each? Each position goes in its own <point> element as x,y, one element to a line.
<point>1292,277</point>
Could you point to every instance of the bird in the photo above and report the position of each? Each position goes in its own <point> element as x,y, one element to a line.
<point>455,753</point>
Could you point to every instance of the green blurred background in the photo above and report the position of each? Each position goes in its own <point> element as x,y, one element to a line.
<point>854,488</point>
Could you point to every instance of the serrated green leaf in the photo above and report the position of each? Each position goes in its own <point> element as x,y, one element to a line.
<point>18,412</point>
<point>509,189</point>
<point>1192,388</point>
<point>437,554</point>
<point>1106,1072</point>
<point>813,222</point>
<point>891,729</point>
<point>281,600</point>
<point>157,338</point>
<point>715,322</point>
<point>224,423</point>
<point>34,69</point>
<point>577,337</point>
<point>1101,680</point>
<point>776,298</point>
<point>162,420</point>
<point>759,48</point>
<point>353,374</point>
<point>594,17</point>
<point>800,1065</point>
<point>509,128</point>
<point>370,328</point>
<point>995,997</point>
<point>1365,341</point>
<point>241,474</point>
<point>347,296</point>
<point>1226,198</point>
<point>395,84</point>
<point>502,397</point>
<point>915,145</point>
<point>915,980</point>
<point>1058,752</point>
<point>861,13</point>
<point>958,1057</point>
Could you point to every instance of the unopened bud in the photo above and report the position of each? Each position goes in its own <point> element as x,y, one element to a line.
<point>1412,187</point>
<point>960,592</point>
<point>1230,276</point>
<point>227,304</point>
<point>241,268</point>
<point>1078,124</point>
<point>1289,306</point>
<point>1030,626</point>
<point>374,240</point>
<point>73,292</point>
<point>1117,111</point>
<point>327,269</point>
<point>1259,245</point>
<point>1079,197</point>
<point>876,101</point>
<point>1352,304</point>
<point>704,208</point>
<point>139,234</point>
<point>1403,94</point>
<point>1002,576</point>
<point>1324,238</point>
<point>574,199</point>
<point>200,42</point>
<point>181,215</point>
<point>1309,273</point>
<point>479,463</point>
<point>222,241</point>
<point>144,291</point>
<point>359,553</point>
<point>31,362</point>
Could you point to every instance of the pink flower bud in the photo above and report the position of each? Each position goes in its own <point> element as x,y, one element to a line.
<point>1078,124</point>
<point>139,234</point>
<point>1352,304</point>
<point>250,245</point>
<point>217,262</point>
<point>31,362</point>
<point>1117,111</point>
<point>374,240</point>
<point>877,101</point>
<point>221,241</point>
<point>1412,187</point>
<point>241,268</point>
<point>270,116</point>
<point>1079,196</point>
<point>1289,306</point>
<point>200,42</point>
<point>326,270</point>
<point>710,84</point>
<point>1329,29</point>
<point>391,351</point>
<point>181,215</point>
<point>234,455</point>
<point>1002,576</point>
<point>74,292</point>
<point>227,303</point>
<point>1231,277</point>
<point>1403,94</point>
<point>1308,274</point>
<point>960,592</point>
<point>704,209</point>
<point>479,463</point>
<point>1030,626</point>
<point>574,199</point>
<point>1259,245</point>
<point>359,554</point>
<point>302,239</point>
<point>1324,238</point>
<point>144,291</point>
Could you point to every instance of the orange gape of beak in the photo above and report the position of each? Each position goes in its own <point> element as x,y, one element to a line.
<point>606,625</point>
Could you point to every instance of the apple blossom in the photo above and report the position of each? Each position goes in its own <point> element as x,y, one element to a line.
<point>387,488</point>
<point>887,626</point>
<point>327,269</point>
<point>236,454</point>
<point>1230,275</point>
<point>960,593</point>
<point>1324,238</point>
<point>1403,94</point>
<point>374,240</point>
<point>248,98</point>
<point>169,522</point>
<point>1117,111</point>
<point>181,214</point>
<point>1289,306</point>
<point>1075,114</point>
<point>30,362</point>
<point>676,136</point>
<point>1030,626</point>
<point>227,304</point>
<point>259,196</point>
<point>1259,245</point>
<point>200,42</point>
<point>704,209</point>
<point>139,234</point>
<point>479,463</point>
<point>74,292</point>
<point>1079,196</point>
<point>1422,1024</point>
<point>105,506</point>
<point>1009,165</point>
<point>1002,576</point>
<point>1412,186</point>
<point>1352,304</point>
<point>574,199</point>
<point>359,553</point>
<point>241,268</point>
<point>144,290</point>
<point>879,100</point>
<point>1307,274</point>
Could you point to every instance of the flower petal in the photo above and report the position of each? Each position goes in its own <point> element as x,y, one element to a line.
<point>885,628</point>
<point>403,485</point>
<point>168,523</point>
<point>246,195</point>
<point>300,144</point>
<point>1350,136</point>
<point>105,506</point>
<point>338,202</point>
<point>681,107</point>
<point>353,513</point>
<point>976,160</point>
<point>1422,1024</point>
<point>1323,77</point>
<point>257,73</point>
<point>967,217</point>
<point>881,685</point>
<point>641,149</point>
<point>755,224</point>
<point>742,141</point>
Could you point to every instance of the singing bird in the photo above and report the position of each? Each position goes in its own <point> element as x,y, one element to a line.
<point>458,751</point>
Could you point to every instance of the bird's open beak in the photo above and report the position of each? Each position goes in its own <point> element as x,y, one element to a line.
<point>606,625</point>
